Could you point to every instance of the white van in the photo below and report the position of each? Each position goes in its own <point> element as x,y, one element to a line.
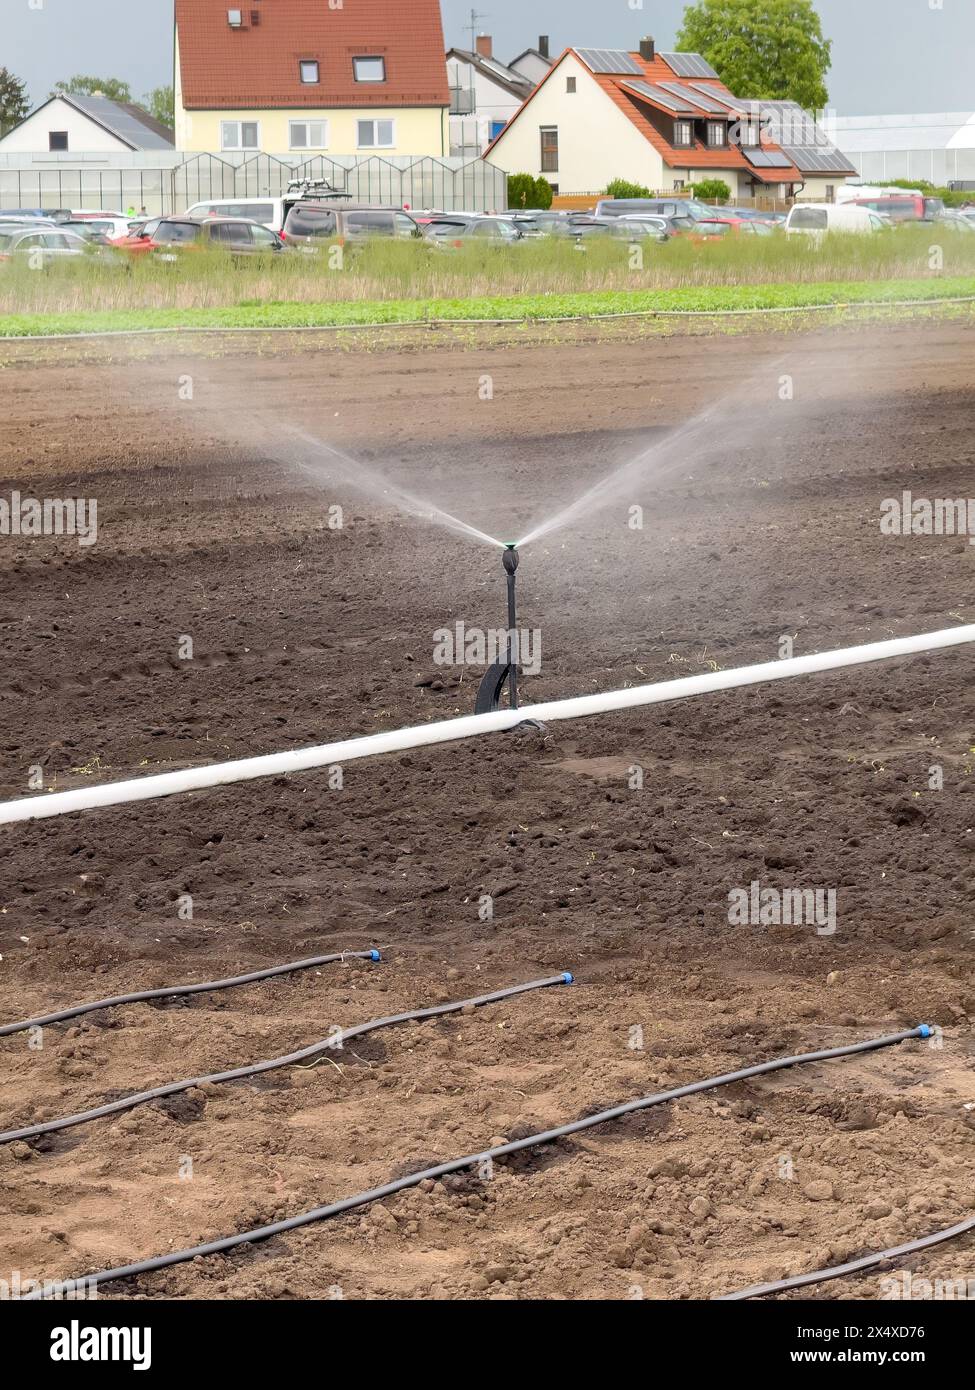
<point>816,219</point>
<point>270,211</point>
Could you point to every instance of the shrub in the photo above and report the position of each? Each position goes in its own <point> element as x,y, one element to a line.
<point>543,193</point>
<point>712,191</point>
<point>524,191</point>
<point>622,188</point>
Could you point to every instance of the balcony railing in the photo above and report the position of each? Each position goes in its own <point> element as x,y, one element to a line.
<point>461,101</point>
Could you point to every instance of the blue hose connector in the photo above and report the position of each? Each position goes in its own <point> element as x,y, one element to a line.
<point>374,955</point>
<point>568,977</point>
<point>925,1030</point>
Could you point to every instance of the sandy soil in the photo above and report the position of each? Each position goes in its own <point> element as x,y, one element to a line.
<point>302,632</point>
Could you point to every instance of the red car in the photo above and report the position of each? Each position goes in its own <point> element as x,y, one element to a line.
<point>139,241</point>
<point>712,228</point>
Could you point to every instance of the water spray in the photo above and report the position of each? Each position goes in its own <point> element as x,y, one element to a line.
<point>500,672</point>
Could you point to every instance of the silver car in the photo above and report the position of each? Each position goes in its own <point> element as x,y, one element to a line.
<point>47,243</point>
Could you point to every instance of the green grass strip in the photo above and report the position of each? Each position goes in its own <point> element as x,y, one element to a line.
<point>339,313</point>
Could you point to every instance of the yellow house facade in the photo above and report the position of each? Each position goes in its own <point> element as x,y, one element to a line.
<point>361,80</point>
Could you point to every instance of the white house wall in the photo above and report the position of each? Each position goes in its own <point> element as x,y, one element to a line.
<point>597,142</point>
<point>84,135</point>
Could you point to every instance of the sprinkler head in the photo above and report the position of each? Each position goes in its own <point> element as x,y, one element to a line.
<point>510,558</point>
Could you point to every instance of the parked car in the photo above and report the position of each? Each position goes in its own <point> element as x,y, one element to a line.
<point>543,223</point>
<point>666,207</point>
<point>177,235</point>
<point>585,226</point>
<point>770,219</point>
<point>487,231</point>
<point>110,224</point>
<point>902,207</point>
<point>51,243</point>
<point>139,240</point>
<point>816,219</point>
<point>445,224</point>
<point>308,223</point>
<point>20,214</point>
<point>714,227</point>
<point>654,228</point>
<point>956,221</point>
<point>270,212</point>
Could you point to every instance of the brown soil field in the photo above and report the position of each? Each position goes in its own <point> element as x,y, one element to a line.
<point>302,632</point>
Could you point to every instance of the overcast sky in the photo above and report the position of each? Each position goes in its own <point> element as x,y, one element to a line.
<point>889,56</point>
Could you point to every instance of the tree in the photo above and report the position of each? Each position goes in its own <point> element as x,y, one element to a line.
<point>712,191</point>
<point>112,87</point>
<point>772,50</point>
<point>161,103</point>
<point>13,101</point>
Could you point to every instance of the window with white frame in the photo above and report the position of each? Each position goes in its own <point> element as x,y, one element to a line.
<point>240,135</point>
<point>369,69</point>
<point>308,135</point>
<point>376,135</point>
<point>717,133</point>
<point>683,133</point>
<point>308,70</point>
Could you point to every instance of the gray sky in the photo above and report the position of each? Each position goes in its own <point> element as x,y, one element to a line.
<point>889,56</point>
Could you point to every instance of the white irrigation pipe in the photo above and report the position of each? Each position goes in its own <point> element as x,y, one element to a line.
<point>494,323</point>
<point>450,730</point>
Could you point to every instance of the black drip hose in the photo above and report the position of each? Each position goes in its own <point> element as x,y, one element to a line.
<point>323,1045</point>
<point>819,1276</point>
<point>175,991</point>
<point>375,1194</point>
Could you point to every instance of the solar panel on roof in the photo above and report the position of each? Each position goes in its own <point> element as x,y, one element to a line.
<point>660,97</point>
<point>614,60</point>
<point>696,98</point>
<point>122,122</point>
<point>688,65</point>
<point>735,103</point>
<point>764,159</point>
<point>819,160</point>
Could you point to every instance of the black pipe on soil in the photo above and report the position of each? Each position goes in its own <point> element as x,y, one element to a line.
<point>819,1276</point>
<point>176,991</point>
<point>323,1046</point>
<point>454,1165</point>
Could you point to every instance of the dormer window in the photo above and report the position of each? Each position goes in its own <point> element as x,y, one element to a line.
<point>684,134</point>
<point>369,69</point>
<point>308,70</point>
<point>717,133</point>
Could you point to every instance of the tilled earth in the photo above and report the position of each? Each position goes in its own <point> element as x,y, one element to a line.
<point>303,631</point>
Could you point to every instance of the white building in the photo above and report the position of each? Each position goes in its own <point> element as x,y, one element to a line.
<point>534,63</point>
<point>666,121</point>
<point>486,93</point>
<point>939,147</point>
<point>86,124</point>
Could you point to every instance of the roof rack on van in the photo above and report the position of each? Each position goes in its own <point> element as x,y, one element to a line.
<point>315,188</point>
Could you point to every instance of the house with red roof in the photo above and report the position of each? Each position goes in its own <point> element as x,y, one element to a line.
<point>311,77</point>
<point>663,120</point>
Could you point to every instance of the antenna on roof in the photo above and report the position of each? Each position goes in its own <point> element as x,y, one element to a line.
<point>475,17</point>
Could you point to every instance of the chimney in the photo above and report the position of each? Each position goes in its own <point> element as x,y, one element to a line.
<point>543,45</point>
<point>648,49</point>
<point>485,45</point>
